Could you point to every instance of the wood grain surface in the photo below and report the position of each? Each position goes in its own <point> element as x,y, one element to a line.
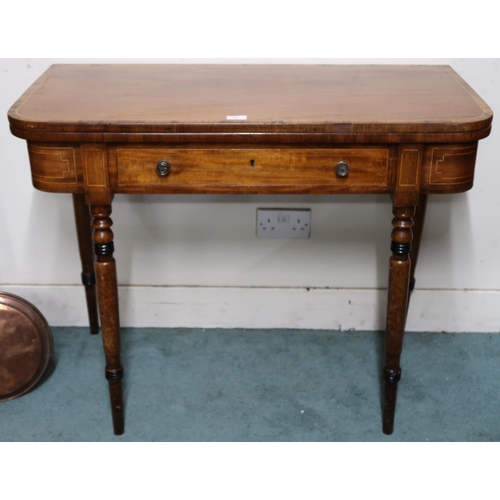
<point>341,99</point>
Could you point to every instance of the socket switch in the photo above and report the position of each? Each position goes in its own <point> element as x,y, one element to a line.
<point>283,223</point>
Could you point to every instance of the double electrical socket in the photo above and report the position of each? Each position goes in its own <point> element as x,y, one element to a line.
<point>283,223</point>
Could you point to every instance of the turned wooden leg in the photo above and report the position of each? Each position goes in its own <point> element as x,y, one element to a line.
<point>84,234</point>
<point>417,230</point>
<point>397,302</point>
<point>107,293</point>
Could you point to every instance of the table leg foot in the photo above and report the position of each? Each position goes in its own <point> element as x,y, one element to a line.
<point>391,377</point>
<point>116,398</point>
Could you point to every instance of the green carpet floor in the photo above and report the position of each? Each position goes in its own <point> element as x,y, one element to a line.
<point>262,385</point>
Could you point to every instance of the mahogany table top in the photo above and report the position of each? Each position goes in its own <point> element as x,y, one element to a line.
<point>332,99</point>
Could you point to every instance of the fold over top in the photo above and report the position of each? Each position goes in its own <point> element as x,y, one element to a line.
<point>326,99</point>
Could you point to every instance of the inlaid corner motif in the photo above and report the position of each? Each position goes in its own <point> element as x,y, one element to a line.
<point>54,165</point>
<point>452,164</point>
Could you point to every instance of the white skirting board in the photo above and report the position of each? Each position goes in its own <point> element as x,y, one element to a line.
<point>320,308</point>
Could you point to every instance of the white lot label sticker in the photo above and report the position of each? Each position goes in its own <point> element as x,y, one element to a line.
<point>236,117</point>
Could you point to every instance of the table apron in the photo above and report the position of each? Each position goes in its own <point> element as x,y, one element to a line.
<point>126,168</point>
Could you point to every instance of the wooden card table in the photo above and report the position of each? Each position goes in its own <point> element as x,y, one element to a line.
<point>97,130</point>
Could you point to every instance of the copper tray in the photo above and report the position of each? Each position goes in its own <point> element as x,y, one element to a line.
<point>26,346</point>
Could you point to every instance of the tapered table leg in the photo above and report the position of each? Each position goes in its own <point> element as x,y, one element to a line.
<point>84,234</point>
<point>397,302</point>
<point>107,293</point>
<point>417,230</point>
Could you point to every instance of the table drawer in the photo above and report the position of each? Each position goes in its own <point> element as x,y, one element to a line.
<point>252,167</point>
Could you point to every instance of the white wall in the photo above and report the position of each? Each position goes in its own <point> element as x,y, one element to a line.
<point>195,260</point>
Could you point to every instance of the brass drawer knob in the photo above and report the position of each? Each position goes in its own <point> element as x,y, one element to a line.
<point>163,168</point>
<point>342,169</point>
